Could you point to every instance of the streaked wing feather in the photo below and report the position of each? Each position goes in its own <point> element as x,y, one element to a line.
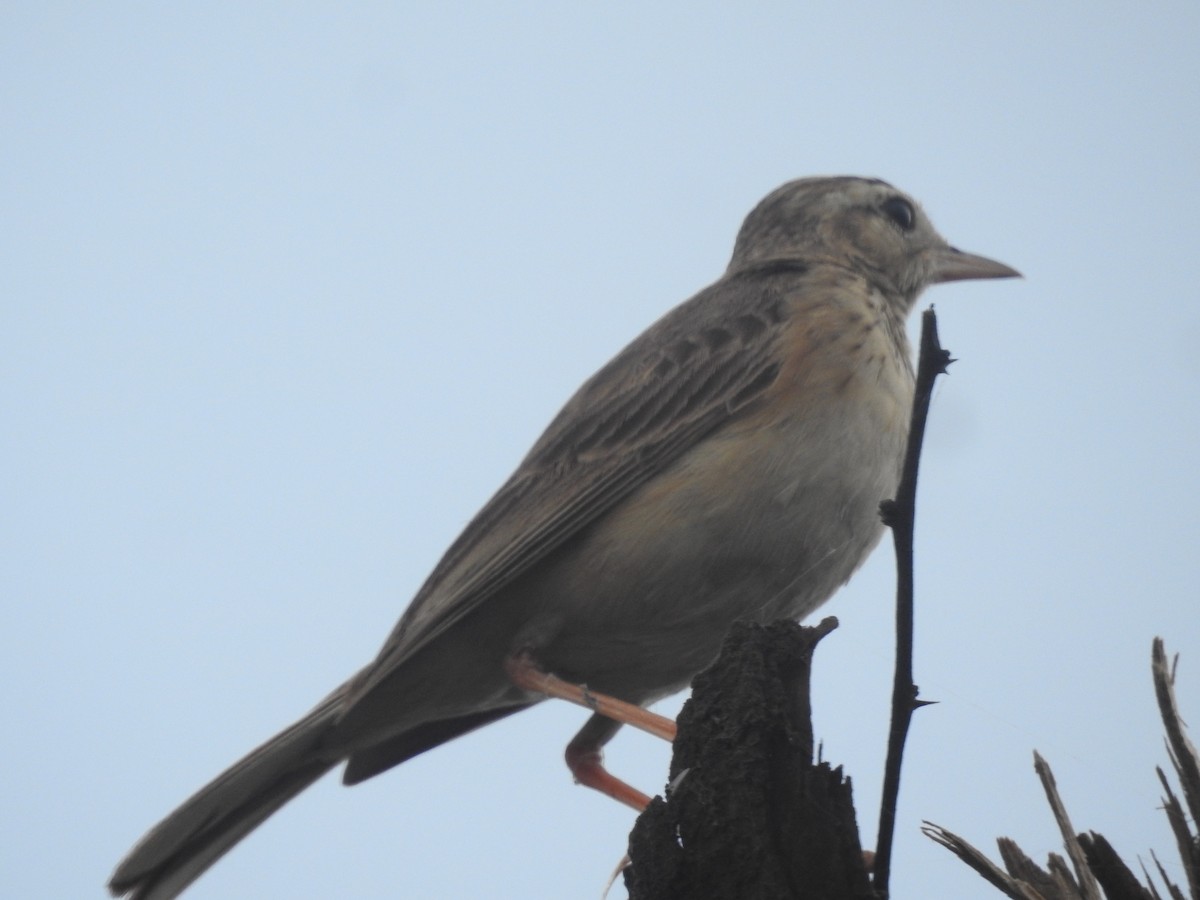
<point>660,396</point>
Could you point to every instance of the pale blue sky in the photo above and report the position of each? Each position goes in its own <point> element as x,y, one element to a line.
<point>289,288</point>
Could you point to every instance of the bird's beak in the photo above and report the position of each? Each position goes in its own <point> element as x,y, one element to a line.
<point>951,264</point>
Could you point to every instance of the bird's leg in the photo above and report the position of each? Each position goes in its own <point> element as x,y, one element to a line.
<point>585,759</point>
<point>527,675</point>
<point>585,756</point>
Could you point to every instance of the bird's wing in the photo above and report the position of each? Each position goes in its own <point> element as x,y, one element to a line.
<point>700,365</point>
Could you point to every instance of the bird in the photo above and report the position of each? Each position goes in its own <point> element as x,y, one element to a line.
<point>726,465</point>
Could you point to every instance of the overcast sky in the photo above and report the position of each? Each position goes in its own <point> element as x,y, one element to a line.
<point>286,290</point>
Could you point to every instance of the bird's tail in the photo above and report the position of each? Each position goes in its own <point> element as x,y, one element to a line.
<point>181,847</point>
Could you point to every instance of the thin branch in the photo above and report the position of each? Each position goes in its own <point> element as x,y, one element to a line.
<point>899,515</point>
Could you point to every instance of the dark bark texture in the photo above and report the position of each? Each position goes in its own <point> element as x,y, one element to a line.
<point>748,814</point>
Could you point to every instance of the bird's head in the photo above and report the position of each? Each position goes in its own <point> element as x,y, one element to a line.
<point>862,224</point>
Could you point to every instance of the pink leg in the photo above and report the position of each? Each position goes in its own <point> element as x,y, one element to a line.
<point>525,674</point>
<point>585,754</point>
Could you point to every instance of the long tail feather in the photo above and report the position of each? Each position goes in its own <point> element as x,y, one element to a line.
<point>181,847</point>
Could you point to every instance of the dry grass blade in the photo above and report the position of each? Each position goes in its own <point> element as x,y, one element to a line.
<point>1114,875</point>
<point>973,857</point>
<point>1172,888</point>
<point>1089,889</point>
<point>1183,751</point>
<point>1101,873</point>
<point>1187,767</point>
<point>1183,834</point>
<point>1053,882</point>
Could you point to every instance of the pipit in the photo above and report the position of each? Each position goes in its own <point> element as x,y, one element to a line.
<point>728,464</point>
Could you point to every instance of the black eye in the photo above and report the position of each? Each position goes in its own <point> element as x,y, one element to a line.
<point>901,212</point>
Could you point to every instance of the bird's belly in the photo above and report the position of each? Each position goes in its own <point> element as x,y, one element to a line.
<point>758,524</point>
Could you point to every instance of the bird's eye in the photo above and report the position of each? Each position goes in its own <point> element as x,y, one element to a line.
<point>901,212</point>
